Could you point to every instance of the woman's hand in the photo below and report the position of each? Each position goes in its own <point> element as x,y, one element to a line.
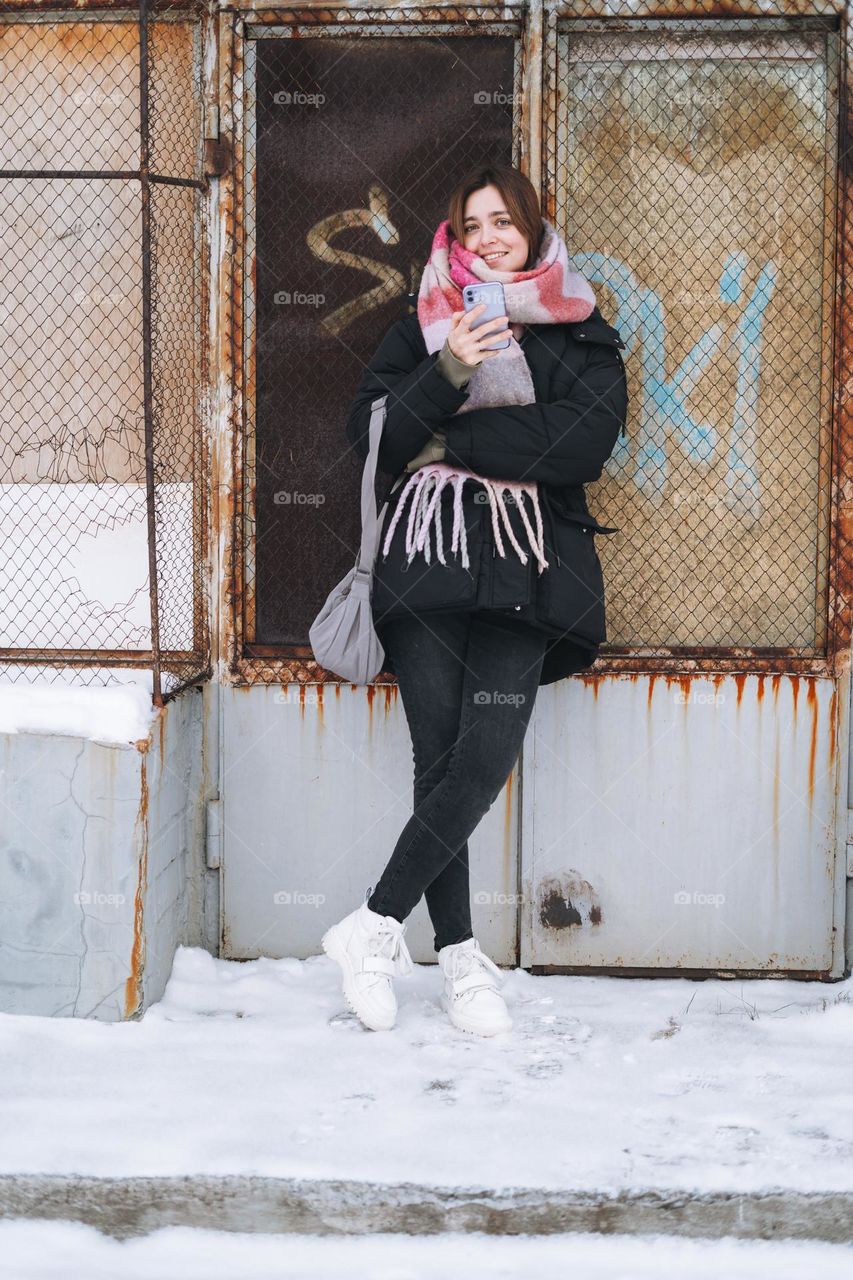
<point>465,343</point>
<point>433,451</point>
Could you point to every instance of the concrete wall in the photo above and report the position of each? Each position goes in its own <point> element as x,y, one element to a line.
<point>101,850</point>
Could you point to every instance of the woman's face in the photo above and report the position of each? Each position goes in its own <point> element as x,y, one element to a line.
<point>490,231</point>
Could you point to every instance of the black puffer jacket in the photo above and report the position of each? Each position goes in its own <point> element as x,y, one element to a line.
<point>562,441</point>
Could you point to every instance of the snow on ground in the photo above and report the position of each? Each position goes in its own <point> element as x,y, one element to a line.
<point>66,1251</point>
<point>603,1084</point>
<point>121,711</point>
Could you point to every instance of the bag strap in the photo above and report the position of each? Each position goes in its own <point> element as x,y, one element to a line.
<point>371,522</point>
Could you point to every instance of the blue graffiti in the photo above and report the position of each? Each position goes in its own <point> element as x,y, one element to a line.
<point>662,412</point>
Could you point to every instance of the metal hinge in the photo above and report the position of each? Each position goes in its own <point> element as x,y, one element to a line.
<point>212,843</point>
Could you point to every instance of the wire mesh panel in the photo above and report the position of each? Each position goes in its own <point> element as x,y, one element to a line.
<point>692,165</point>
<point>101,495</point>
<point>695,180</point>
<point>353,142</point>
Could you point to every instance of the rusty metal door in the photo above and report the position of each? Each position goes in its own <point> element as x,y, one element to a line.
<point>684,807</point>
<point>351,135</point>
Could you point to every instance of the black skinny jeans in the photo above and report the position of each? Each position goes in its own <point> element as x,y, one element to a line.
<point>468,687</point>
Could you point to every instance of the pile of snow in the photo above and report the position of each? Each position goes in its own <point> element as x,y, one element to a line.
<point>121,712</point>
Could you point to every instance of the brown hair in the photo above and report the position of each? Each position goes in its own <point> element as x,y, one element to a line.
<point>519,195</point>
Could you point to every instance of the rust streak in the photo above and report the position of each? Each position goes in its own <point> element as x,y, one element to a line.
<point>133,985</point>
<point>811,695</point>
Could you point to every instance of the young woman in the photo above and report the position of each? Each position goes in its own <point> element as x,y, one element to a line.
<point>489,447</point>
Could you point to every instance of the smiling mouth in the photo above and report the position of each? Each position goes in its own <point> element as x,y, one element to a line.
<point>494,256</point>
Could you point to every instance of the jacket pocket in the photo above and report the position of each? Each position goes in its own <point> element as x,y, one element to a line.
<point>507,580</point>
<point>572,588</point>
<point>401,588</point>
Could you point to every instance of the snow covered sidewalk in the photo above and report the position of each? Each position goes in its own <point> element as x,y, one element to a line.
<point>69,1251</point>
<point>606,1087</point>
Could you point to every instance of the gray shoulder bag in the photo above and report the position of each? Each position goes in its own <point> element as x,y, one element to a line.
<point>342,635</point>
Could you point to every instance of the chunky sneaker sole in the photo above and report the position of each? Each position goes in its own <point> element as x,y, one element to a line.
<point>336,950</point>
<point>465,1022</point>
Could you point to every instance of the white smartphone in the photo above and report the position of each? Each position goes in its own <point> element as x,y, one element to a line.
<point>492,293</point>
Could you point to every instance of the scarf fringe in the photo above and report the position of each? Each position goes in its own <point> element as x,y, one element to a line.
<point>550,293</point>
<point>425,488</point>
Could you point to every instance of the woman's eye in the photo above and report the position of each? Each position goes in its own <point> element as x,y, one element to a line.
<point>502,222</point>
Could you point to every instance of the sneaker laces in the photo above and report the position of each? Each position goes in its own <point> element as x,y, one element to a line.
<point>470,961</point>
<point>388,942</point>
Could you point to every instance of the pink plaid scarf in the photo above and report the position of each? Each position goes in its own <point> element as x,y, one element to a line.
<point>549,293</point>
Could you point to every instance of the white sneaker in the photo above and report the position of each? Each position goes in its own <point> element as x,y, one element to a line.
<point>470,997</point>
<point>369,949</point>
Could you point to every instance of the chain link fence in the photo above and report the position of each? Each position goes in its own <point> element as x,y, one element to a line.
<point>696,166</point>
<point>101,298</point>
<point>696,169</point>
<point>343,192</point>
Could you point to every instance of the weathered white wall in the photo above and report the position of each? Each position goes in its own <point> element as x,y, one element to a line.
<point>100,866</point>
<point>317,786</point>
